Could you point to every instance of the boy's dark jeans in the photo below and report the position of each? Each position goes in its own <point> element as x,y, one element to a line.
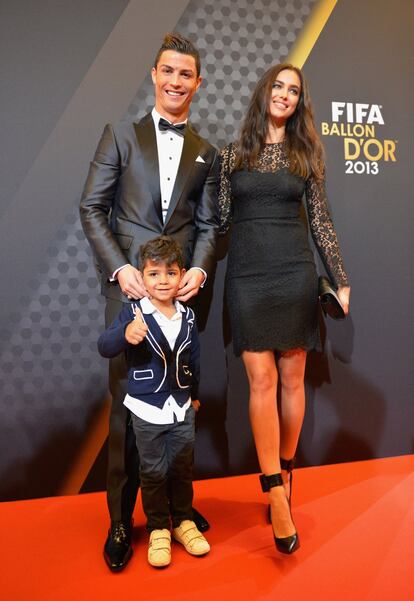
<point>166,469</point>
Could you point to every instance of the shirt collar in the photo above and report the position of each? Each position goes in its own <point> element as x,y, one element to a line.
<point>156,117</point>
<point>147,307</point>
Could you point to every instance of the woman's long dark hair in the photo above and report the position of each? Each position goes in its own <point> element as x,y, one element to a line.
<point>303,144</point>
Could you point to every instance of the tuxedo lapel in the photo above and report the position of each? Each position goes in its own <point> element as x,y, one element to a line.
<point>147,141</point>
<point>191,147</point>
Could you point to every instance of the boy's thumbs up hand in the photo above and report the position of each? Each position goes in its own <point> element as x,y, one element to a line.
<point>137,329</point>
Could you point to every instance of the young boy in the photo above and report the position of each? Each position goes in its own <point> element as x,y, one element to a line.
<point>160,339</point>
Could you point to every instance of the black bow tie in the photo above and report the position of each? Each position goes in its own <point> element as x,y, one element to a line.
<point>163,125</point>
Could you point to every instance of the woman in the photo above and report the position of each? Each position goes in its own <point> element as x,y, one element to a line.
<point>271,281</point>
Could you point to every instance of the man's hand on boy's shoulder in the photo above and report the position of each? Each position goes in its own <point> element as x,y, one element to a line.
<point>130,281</point>
<point>190,284</point>
<point>137,329</point>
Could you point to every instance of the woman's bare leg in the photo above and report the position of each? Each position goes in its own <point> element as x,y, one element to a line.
<point>291,367</point>
<point>262,374</point>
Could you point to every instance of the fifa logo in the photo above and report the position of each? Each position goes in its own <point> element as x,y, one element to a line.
<point>356,123</point>
<point>357,112</point>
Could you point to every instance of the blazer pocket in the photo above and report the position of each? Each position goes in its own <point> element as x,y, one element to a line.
<point>143,374</point>
<point>123,240</point>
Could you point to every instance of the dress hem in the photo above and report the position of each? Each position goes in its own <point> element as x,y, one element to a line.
<point>280,349</point>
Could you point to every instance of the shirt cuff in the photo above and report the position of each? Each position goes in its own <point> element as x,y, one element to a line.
<point>115,273</point>
<point>203,272</point>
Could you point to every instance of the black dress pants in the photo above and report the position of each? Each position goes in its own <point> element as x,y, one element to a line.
<point>123,459</point>
<point>166,470</point>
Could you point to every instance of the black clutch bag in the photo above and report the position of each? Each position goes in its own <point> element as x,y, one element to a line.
<point>330,303</point>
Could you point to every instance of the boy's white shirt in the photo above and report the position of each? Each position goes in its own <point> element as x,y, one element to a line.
<point>170,328</point>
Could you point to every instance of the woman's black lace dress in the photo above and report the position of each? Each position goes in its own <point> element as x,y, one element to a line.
<point>271,281</point>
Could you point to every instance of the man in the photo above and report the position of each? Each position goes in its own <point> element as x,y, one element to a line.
<point>148,178</point>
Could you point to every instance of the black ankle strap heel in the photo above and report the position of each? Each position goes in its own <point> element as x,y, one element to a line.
<point>288,465</point>
<point>287,544</point>
<point>268,482</point>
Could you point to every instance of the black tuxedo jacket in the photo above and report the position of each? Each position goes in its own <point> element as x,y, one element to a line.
<point>121,205</point>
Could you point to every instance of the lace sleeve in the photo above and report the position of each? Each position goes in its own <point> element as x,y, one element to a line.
<point>224,196</point>
<point>323,232</point>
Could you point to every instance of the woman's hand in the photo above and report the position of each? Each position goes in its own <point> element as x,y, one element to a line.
<point>196,404</point>
<point>344,293</point>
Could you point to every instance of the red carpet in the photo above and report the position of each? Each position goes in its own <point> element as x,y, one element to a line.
<point>356,523</point>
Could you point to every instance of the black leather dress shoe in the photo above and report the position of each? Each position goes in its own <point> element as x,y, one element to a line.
<point>200,521</point>
<point>118,549</point>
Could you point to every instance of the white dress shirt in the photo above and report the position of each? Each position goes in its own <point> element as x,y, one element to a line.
<point>170,327</point>
<point>170,146</point>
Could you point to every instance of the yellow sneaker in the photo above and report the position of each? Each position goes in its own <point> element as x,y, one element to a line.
<point>159,548</point>
<point>191,538</point>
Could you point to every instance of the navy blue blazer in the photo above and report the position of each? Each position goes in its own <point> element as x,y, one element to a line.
<point>154,370</point>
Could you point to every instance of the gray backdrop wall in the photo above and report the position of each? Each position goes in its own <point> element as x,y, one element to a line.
<point>67,68</point>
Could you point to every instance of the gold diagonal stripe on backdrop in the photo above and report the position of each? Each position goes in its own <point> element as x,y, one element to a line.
<point>87,453</point>
<point>311,32</point>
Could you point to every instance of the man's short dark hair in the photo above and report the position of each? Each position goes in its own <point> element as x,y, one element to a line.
<point>162,249</point>
<point>178,43</point>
